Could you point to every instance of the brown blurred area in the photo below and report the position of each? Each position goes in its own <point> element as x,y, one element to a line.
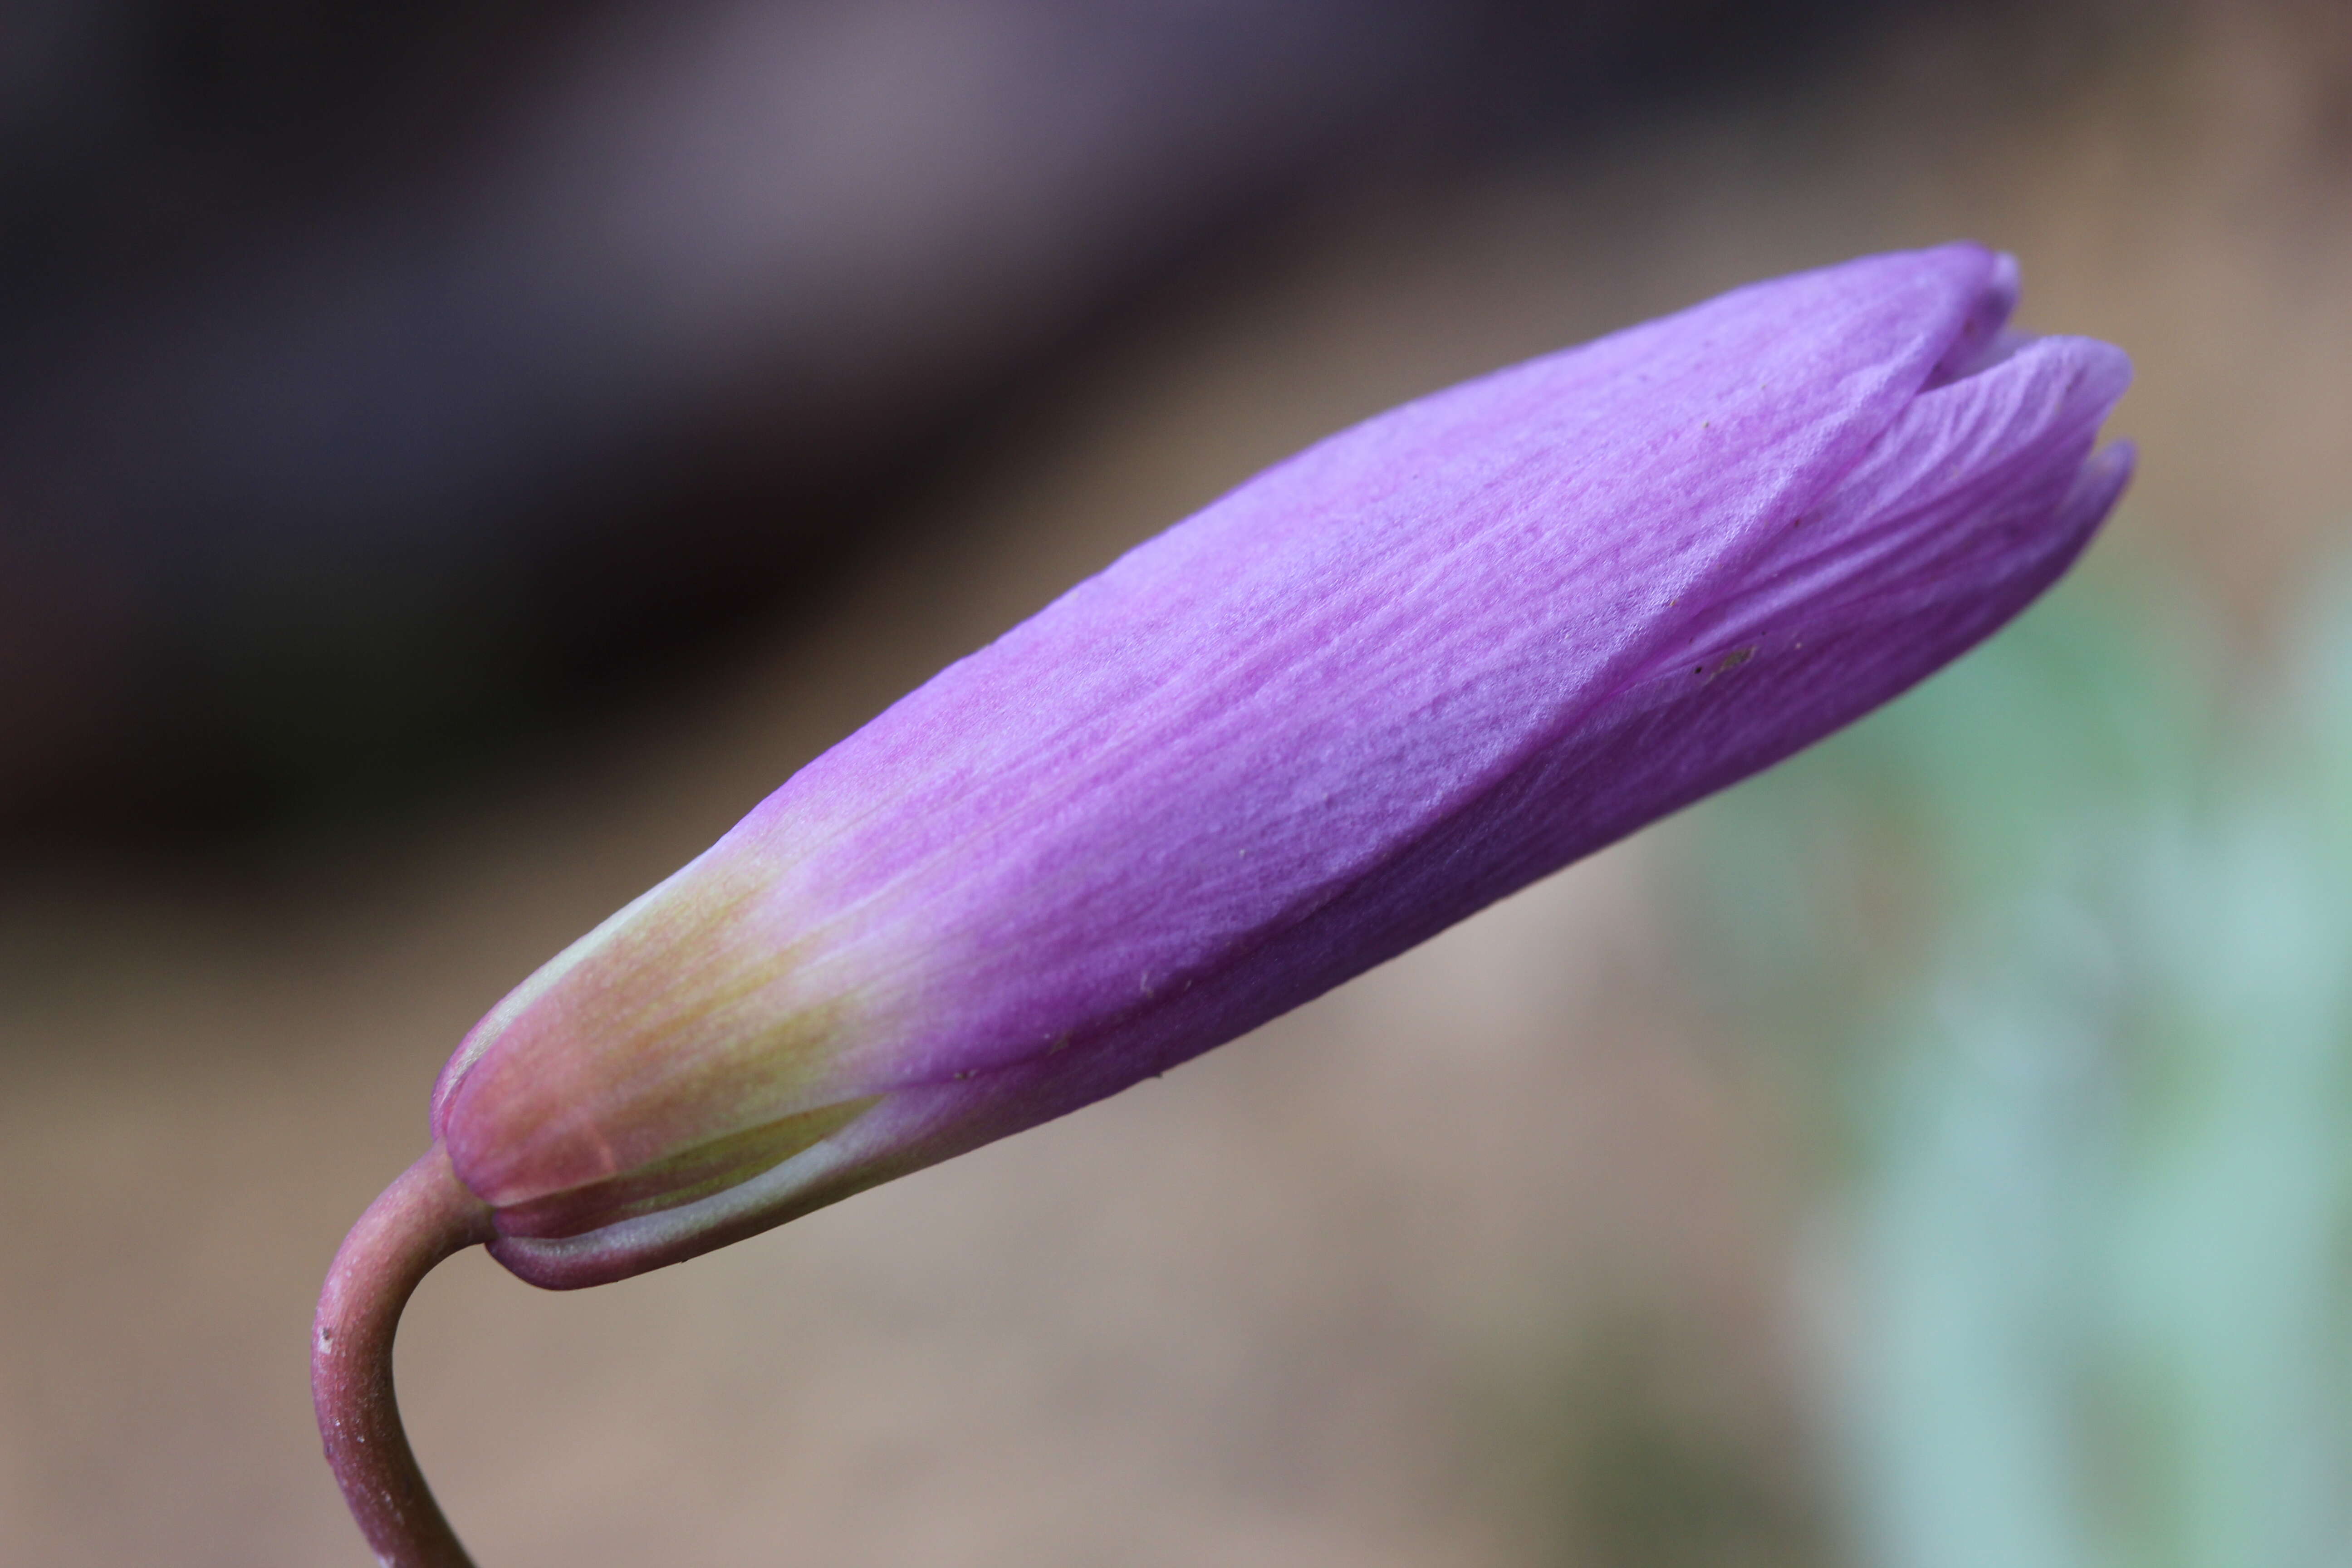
<point>1480,1260</point>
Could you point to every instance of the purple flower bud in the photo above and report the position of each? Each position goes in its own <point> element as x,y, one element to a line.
<point>1370,691</point>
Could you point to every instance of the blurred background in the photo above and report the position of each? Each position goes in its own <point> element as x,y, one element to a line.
<point>454,459</point>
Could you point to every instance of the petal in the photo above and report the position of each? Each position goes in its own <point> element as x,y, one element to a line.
<point>1371,690</point>
<point>1238,719</point>
<point>1256,755</point>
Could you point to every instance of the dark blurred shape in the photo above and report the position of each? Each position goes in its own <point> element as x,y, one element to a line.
<point>379,382</point>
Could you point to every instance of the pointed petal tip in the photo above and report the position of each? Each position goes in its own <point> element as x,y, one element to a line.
<point>2076,519</point>
<point>2101,484</point>
<point>1990,282</point>
<point>2102,370</point>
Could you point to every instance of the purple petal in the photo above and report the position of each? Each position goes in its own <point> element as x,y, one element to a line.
<point>1373,689</point>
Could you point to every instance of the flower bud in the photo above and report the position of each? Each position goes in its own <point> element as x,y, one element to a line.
<point>1377,688</point>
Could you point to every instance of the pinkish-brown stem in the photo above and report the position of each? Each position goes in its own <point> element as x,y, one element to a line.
<point>419,1220</point>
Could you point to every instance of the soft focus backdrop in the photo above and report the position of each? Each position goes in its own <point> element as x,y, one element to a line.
<point>454,459</point>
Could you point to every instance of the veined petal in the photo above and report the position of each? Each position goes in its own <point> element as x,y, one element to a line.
<point>1373,689</point>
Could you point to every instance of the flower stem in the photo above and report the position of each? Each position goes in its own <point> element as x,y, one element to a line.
<point>423,1217</point>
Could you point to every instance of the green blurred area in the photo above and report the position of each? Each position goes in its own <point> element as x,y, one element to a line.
<point>2053,954</point>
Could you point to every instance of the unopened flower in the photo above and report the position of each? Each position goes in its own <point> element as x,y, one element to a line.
<point>1374,690</point>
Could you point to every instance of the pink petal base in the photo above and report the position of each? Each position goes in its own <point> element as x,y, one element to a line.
<point>423,1217</point>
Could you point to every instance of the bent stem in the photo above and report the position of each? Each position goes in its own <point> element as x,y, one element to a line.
<point>423,1217</point>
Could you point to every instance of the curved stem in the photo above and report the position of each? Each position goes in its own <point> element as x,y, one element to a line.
<point>423,1217</point>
